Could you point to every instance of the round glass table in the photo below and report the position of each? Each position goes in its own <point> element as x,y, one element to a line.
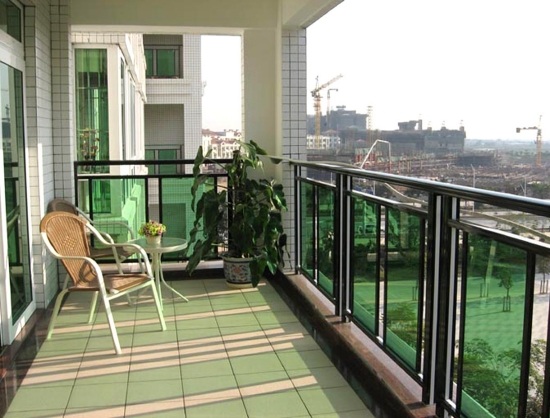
<point>166,245</point>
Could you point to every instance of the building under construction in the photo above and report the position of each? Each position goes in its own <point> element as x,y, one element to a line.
<point>412,139</point>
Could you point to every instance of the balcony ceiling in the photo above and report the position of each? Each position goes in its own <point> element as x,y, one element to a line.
<point>195,16</point>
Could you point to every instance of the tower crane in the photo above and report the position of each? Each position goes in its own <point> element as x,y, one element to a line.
<point>538,142</point>
<point>328,106</point>
<point>316,94</point>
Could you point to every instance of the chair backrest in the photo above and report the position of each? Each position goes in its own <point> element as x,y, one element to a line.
<point>61,205</point>
<point>66,233</point>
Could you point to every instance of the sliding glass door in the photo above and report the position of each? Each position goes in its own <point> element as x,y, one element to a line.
<point>16,285</point>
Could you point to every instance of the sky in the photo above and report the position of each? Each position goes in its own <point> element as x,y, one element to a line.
<point>221,71</point>
<point>484,64</point>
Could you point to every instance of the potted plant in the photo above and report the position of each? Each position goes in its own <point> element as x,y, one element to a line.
<point>243,219</point>
<point>152,231</point>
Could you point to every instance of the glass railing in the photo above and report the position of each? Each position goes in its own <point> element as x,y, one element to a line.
<point>121,195</point>
<point>449,281</point>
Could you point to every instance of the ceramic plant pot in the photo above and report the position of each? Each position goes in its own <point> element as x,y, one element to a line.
<point>153,240</point>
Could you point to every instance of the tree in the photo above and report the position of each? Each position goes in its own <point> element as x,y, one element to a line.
<point>543,267</point>
<point>505,280</point>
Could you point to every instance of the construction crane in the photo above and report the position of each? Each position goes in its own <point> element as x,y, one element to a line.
<point>328,107</point>
<point>316,94</point>
<point>538,142</point>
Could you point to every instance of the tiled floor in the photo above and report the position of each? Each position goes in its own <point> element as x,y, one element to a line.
<point>226,353</point>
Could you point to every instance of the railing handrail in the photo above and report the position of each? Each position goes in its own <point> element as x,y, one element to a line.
<point>521,203</point>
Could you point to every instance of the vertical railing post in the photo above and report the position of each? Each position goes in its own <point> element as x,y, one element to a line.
<point>297,219</point>
<point>440,299</point>
<point>342,234</point>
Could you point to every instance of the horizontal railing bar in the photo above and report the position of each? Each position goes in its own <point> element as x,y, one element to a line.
<point>538,247</point>
<point>515,202</point>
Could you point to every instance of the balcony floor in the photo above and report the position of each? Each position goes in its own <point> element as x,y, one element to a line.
<point>225,353</point>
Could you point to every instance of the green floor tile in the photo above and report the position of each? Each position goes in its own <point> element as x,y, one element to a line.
<point>241,332</point>
<point>249,381</point>
<point>155,391</point>
<point>39,398</point>
<point>256,363</point>
<point>270,318</point>
<point>86,396</point>
<point>204,366</point>
<point>330,400</point>
<point>151,374</point>
<point>293,341</point>
<point>198,336</point>
<point>236,320</point>
<point>156,410</point>
<point>154,337</point>
<point>223,301</point>
<point>212,387</point>
<point>293,360</point>
<point>210,408</point>
<point>45,413</point>
<point>286,404</point>
<point>316,378</point>
<point>197,323</point>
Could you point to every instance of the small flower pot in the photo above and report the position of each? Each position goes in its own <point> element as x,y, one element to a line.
<point>153,240</point>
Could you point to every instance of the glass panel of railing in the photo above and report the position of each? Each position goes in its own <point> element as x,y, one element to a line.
<point>538,337</point>
<point>493,314</point>
<point>177,213</point>
<point>307,235</point>
<point>122,210</point>
<point>325,253</point>
<point>404,271</point>
<point>365,262</point>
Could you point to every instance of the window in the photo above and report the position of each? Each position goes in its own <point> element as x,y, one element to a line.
<point>92,115</point>
<point>163,62</point>
<point>10,19</point>
<point>162,154</point>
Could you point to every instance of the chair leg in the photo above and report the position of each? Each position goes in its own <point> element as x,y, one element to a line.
<point>55,313</point>
<point>159,307</point>
<point>93,307</point>
<point>112,326</point>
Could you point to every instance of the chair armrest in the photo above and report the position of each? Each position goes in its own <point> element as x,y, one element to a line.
<point>89,260</point>
<point>136,248</point>
<point>102,222</point>
<point>106,222</point>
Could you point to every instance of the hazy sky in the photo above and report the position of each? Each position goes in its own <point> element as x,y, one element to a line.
<point>484,63</point>
<point>221,70</point>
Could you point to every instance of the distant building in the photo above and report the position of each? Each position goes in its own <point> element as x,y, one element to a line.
<point>222,144</point>
<point>412,139</point>
<point>338,120</point>
<point>173,112</point>
<point>331,141</point>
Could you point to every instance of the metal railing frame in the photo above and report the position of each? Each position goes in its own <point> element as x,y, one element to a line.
<point>443,227</point>
<point>442,215</point>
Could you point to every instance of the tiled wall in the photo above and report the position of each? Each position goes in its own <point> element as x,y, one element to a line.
<point>294,102</point>
<point>38,109</point>
<point>49,109</point>
<point>193,107</point>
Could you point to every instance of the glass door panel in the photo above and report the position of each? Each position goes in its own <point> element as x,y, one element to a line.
<point>18,294</point>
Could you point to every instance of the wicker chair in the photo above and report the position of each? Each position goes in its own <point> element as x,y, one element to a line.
<point>119,255</point>
<point>66,237</point>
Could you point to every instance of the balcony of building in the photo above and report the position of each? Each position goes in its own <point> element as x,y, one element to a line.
<point>430,298</point>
